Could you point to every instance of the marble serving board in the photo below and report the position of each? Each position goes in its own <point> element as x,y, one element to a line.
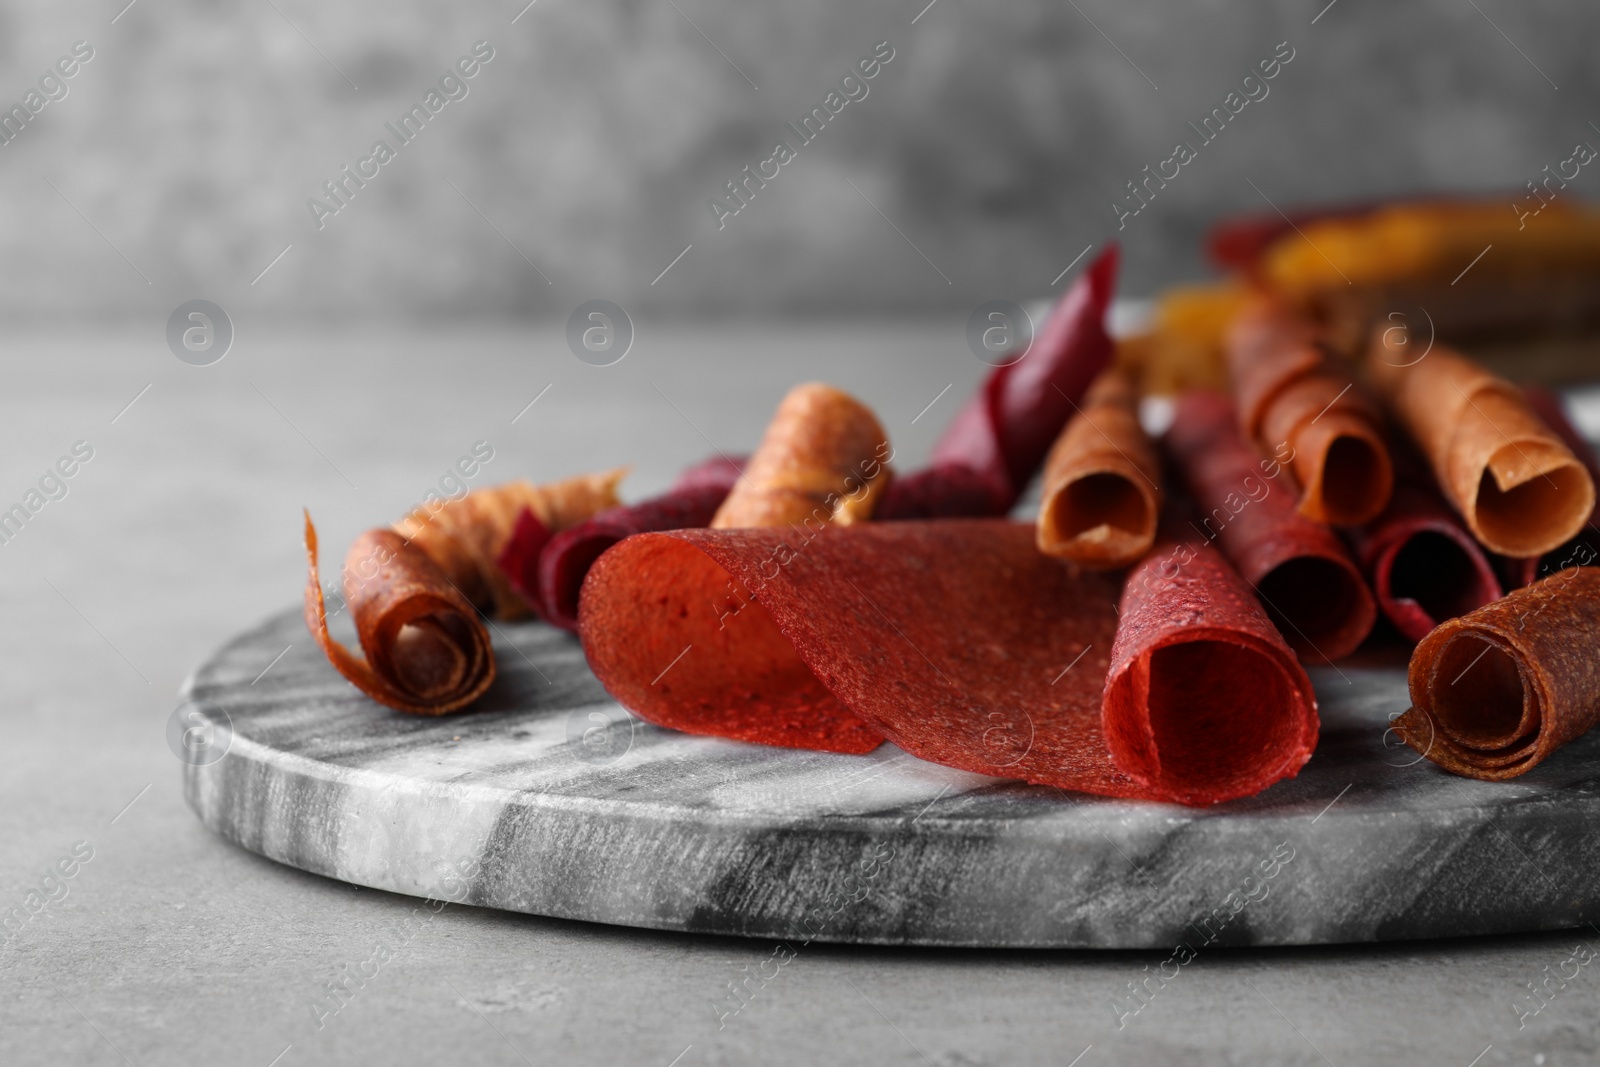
<point>548,798</point>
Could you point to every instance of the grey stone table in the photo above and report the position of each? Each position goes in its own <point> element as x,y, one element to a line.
<point>173,946</point>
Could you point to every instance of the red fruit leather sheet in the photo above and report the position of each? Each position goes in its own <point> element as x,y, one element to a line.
<point>1004,431</point>
<point>961,643</point>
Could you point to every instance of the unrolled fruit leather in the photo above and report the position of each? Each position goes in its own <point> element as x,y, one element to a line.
<point>961,643</point>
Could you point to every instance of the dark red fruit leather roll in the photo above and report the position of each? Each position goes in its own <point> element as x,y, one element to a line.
<point>1423,564</point>
<point>1584,549</point>
<point>1302,573</point>
<point>1005,430</point>
<point>961,643</point>
<point>949,491</point>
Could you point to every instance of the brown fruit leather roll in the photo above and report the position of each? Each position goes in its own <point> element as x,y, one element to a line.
<point>1303,574</point>
<point>1496,691</point>
<point>1518,486</point>
<point>1102,493</point>
<point>466,537</point>
<point>427,651</point>
<point>1291,394</point>
<point>415,591</point>
<point>823,458</point>
<point>1582,550</point>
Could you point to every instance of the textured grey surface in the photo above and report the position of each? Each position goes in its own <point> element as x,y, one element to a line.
<point>179,948</point>
<point>549,798</point>
<point>995,141</point>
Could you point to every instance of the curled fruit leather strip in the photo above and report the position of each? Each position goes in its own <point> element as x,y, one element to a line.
<point>1102,495</point>
<point>823,459</point>
<point>895,630</point>
<point>1518,486</point>
<point>1498,690</point>
<point>468,537</point>
<point>415,591</point>
<point>1298,405</point>
<point>1304,576</point>
<point>427,651</point>
<point>1583,550</point>
<point>1423,564</point>
<point>1007,427</point>
<point>566,559</point>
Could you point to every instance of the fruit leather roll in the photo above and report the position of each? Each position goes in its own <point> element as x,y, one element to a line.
<point>1498,690</point>
<point>1423,564</point>
<point>1480,271</point>
<point>1292,396</point>
<point>1303,574</point>
<point>467,537</point>
<point>426,650</point>
<point>824,458</point>
<point>1102,493</point>
<point>1516,483</point>
<point>416,591</point>
<point>1237,243</point>
<point>964,645</point>
<point>1583,550</point>
<point>552,577</point>
<point>995,443</point>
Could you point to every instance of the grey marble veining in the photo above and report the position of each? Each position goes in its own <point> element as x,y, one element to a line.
<point>549,799</point>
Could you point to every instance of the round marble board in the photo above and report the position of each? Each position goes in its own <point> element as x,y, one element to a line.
<point>548,798</point>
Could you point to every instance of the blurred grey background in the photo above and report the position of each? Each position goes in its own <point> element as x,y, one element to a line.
<point>984,158</point>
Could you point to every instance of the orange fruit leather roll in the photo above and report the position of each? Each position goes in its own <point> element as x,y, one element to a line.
<point>1409,242</point>
<point>1475,269</point>
<point>1499,689</point>
<point>1293,397</point>
<point>824,457</point>
<point>1102,493</point>
<point>415,591</point>
<point>1518,486</point>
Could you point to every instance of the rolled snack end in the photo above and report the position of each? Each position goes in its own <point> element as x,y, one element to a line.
<point>427,651</point>
<point>1499,689</point>
<point>1102,496</point>
<point>1518,486</point>
<point>1204,701</point>
<point>824,458</point>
